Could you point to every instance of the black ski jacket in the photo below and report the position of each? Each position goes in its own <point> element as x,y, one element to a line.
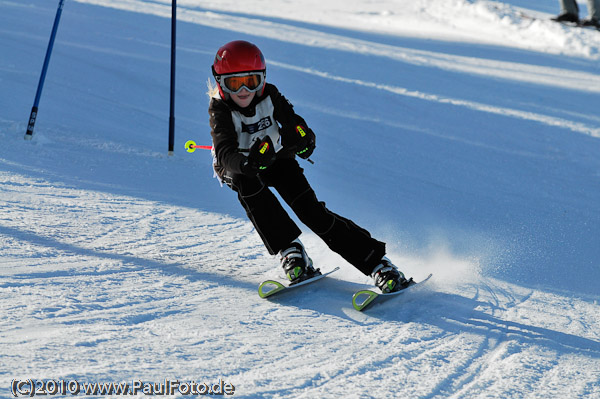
<point>235,129</point>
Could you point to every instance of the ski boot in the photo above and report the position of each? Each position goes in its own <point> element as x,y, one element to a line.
<point>566,17</point>
<point>591,22</point>
<point>388,278</point>
<point>296,264</point>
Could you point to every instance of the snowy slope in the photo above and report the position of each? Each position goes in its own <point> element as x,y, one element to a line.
<point>460,132</point>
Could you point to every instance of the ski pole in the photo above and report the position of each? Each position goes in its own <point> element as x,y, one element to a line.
<point>34,109</point>
<point>191,146</point>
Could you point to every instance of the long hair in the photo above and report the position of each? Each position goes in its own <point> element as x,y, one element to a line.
<point>213,89</point>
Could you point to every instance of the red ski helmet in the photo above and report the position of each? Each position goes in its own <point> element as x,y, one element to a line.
<point>238,56</point>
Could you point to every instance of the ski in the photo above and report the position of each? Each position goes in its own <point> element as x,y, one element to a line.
<point>577,25</point>
<point>271,287</point>
<point>566,23</point>
<point>363,298</point>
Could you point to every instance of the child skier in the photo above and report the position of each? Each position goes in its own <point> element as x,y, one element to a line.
<point>256,135</point>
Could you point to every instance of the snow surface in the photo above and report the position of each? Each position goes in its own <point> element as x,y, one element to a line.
<point>463,133</point>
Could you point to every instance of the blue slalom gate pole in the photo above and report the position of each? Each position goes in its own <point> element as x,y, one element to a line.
<point>34,109</point>
<point>172,99</point>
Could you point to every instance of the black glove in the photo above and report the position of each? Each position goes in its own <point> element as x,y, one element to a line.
<point>300,139</point>
<point>262,154</point>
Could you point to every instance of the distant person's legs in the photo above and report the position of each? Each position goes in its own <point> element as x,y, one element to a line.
<point>594,11</point>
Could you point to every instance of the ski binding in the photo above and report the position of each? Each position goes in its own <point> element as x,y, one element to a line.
<point>363,298</point>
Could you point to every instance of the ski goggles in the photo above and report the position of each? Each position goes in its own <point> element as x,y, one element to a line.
<point>234,83</point>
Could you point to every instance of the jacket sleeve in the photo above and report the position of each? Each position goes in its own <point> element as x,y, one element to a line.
<point>224,137</point>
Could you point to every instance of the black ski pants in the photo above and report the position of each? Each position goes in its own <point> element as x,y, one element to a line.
<point>278,230</point>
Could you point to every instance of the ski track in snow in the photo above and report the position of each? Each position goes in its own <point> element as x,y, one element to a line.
<point>120,283</point>
<point>107,278</point>
<point>521,72</point>
<point>542,119</point>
